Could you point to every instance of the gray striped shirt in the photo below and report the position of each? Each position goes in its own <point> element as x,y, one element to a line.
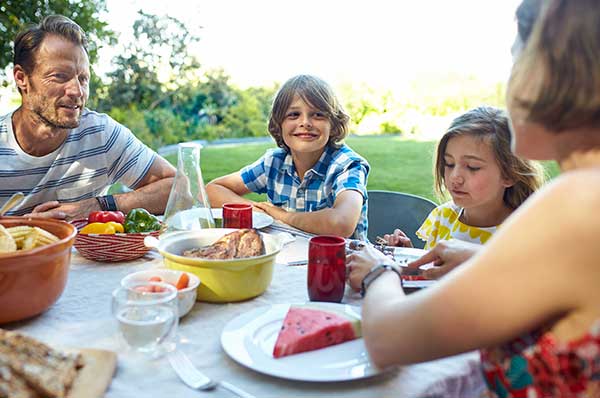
<point>95,155</point>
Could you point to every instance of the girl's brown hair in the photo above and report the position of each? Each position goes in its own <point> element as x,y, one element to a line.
<point>318,94</point>
<point>491,125</point>
<point>556,78</point>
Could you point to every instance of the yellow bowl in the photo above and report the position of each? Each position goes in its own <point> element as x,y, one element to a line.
<point>223,281</point>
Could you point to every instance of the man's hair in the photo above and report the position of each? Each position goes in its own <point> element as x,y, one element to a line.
<point>316,93</point>
<point>556,79</point>
<point>28,41</point>
<point>491,126</point>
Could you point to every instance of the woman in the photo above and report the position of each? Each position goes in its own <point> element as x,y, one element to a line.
<point>529,299</point>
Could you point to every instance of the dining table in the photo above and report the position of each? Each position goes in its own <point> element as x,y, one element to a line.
<point>82,318</point>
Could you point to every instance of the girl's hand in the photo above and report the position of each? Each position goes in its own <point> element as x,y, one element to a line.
<point>359,263</point>
<point>446,255</point>
<point>398,238</point>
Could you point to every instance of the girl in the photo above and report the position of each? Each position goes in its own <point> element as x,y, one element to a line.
<point>529,299</point>
<point>313,182</point>
<point>474,164</point>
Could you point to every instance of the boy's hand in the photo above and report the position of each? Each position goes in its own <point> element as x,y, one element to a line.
<point>398,238</point>
<point>276,212</point>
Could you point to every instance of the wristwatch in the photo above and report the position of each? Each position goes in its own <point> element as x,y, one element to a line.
<point>375,273</point>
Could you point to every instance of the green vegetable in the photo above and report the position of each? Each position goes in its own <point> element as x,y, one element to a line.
<point>139,220</point>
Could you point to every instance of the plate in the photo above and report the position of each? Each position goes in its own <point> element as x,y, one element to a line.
<point>249,340</point>
<point>405,255</point>
<point>259,220</point>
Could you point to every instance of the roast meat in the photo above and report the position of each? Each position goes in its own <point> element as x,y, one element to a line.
<point>238,244</point>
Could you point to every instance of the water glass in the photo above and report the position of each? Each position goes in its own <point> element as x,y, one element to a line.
<point>326,277</point>
<point>237,215</point>
<point>147,316</point>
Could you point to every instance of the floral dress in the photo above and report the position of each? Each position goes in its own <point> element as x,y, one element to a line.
<point>537,366</point>
<point>443,223</point>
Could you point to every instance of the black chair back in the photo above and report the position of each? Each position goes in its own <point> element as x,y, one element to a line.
<point>389,210</point>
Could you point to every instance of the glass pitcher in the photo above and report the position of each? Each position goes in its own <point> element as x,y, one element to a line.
<point>188,207</point>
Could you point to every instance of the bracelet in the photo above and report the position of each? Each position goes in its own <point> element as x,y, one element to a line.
<point>107,203</point>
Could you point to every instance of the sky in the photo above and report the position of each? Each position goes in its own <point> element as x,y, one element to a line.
<point>384,43</point>
<point>381,43</point>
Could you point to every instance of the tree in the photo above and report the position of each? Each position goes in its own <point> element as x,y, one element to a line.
<point>17,14</point>
<point>159,43</point>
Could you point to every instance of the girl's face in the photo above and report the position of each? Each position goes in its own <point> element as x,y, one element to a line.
<point>472,175</point>
<point>305,129</point>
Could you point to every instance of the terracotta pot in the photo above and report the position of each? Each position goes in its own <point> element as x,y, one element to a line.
<point>32,280</point>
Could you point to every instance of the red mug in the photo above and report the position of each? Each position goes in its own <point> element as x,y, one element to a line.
<point>326,277</point>
<point>237,215</point>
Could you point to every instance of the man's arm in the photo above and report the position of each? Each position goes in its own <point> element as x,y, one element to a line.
<point>151,194</point>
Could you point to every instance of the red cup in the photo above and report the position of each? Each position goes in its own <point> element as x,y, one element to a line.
<point>237,215</point>
<point>326,277</point>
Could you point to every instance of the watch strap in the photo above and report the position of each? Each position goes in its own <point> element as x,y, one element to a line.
<point>375,273</point>
<point>107,203</point>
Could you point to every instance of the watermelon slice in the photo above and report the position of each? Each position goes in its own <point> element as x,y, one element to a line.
<point>310,327</point>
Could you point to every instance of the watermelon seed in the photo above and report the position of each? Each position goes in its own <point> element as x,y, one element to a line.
<point>328,317</point>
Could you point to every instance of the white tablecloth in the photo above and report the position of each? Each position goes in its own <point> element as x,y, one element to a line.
<point>82,318</point>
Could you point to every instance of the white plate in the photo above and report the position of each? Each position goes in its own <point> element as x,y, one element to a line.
<point>259,220</point>
<point>249,339</point>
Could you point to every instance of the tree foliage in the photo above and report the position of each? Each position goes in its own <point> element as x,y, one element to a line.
<point>17,14</point>
<point>154,65</point>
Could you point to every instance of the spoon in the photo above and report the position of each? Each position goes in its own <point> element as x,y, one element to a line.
<point>12,202</point>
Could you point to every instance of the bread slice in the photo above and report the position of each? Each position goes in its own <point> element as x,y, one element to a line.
<point>48,371</point>
<point>14,386</point>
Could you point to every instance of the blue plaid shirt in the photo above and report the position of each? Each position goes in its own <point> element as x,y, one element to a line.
<point>336,170</point>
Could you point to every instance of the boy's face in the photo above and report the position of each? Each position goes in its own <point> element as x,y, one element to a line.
<point>305,129</point>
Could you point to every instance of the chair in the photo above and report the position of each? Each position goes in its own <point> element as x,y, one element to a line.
<point>390,210</point>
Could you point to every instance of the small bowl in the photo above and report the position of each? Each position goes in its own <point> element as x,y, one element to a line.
<point>110,248</point>
<point>186,297</point>
<point>223,281</point>
<point>32,280</point>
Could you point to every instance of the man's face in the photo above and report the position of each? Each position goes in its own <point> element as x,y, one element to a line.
<point>58,87</point>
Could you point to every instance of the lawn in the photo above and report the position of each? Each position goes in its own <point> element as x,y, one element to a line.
<point>396,164</point>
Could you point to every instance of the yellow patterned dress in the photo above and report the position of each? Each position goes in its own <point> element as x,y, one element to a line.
<point>443,224</point>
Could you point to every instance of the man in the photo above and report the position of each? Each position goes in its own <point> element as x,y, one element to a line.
<point>62,156</point>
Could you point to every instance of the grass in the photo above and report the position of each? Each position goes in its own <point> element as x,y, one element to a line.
<point>396,164</point>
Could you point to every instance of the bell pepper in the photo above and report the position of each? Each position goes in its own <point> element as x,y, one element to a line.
<point>106,216</point>
<point>100,228</point>
<point>139,220</point>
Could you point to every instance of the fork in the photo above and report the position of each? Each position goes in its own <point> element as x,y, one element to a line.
<point>195,379</point>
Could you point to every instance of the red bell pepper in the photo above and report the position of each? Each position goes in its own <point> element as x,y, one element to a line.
<point>106,216</point>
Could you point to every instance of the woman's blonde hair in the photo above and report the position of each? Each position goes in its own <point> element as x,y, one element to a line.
<point>318,94</point>
<point>556,78</point>
<point>491,126</point>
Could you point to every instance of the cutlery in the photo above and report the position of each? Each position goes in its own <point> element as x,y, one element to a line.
<point>390,251</point>
<point>14,200</point>
<point>195,379</point>
<point>298,262</point>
